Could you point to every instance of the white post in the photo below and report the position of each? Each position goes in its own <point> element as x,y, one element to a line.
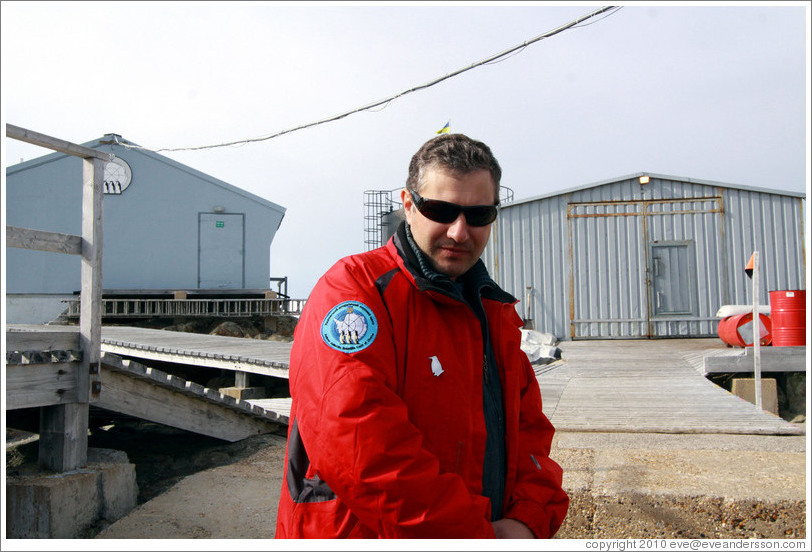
<point>756,333</point>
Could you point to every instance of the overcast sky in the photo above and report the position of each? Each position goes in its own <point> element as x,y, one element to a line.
<point>706,92</point>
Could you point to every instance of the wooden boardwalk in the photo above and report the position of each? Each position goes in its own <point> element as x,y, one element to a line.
<point>601,385</point>
<point>655,386</point>
<point>652,386</point>
<point>257,356</point>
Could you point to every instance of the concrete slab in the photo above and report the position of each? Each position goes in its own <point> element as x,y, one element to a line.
<point>735,467</point>
<point>773,359</point>
<point>739,475</point>
<point>66,505</point>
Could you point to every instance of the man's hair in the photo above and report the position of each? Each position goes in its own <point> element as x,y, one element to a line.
<point>456,153</point>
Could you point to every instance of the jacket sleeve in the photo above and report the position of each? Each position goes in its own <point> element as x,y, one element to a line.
<point>356,430</point>
<point>537,498</point>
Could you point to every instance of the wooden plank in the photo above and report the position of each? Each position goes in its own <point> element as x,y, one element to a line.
<point>42,240</point>
<point>279,406</point>
<point>91,273</point>
<point>42,338</point>
<point>32,385</point>
<point>56,144</point>
<point>142,399</point>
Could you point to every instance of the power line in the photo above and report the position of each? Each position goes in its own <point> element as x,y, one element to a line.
<point>496,58</point>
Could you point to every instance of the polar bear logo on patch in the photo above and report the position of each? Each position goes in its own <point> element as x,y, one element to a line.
<point>351,328</point>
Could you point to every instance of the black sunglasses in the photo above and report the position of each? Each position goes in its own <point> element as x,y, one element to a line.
<point>445,212</point>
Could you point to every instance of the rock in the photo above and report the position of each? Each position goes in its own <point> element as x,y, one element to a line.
<point>538,338</point>
<point>796,392</point>
<point>250,331</point>
<point>540,347</point>
<point>228,329</point>
<point>281,325</point>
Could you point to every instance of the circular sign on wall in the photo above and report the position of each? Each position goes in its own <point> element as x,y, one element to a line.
<point>117,176</point>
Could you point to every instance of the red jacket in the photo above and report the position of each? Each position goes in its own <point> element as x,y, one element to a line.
<point>387,432</point>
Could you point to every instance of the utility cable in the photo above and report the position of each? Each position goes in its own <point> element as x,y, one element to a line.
<point>609,10</point>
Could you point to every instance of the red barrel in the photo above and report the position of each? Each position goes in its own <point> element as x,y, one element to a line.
<point>737,330</point>
<point>788,312</point>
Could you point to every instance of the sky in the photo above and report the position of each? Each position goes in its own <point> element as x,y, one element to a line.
<point>708,91</point>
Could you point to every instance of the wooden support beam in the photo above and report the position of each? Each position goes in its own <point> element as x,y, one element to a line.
<point>32,385</point>
<point>91,293</point>
<point>142,399</point>
<point>42,338</point>
<point>63,436</point>
<point>41,240</point>
<point>56,144</point>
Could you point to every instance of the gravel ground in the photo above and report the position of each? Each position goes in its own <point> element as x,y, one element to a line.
<point>621,485</point>
<point>642,516</point>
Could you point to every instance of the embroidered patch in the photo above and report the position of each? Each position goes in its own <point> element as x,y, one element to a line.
<point>349,327</point>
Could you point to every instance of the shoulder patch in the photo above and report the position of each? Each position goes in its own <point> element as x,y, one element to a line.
<point>349,327</point>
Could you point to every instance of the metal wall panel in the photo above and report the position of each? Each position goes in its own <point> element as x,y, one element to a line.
<point>583,262</point>
<point>528,247</point>
<point>773,225</point>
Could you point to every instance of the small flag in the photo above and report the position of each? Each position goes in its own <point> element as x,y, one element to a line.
<point>749,268</point>
<point>446,129</point>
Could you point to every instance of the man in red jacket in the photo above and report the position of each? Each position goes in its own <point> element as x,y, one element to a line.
<point>415,412</point>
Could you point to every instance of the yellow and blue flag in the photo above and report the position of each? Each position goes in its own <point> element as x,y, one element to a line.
<point>446,129</point>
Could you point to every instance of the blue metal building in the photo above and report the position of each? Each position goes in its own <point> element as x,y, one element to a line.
<point>166,227</point>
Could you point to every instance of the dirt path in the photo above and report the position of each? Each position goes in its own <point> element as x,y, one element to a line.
<point>621,486</point>
<point>233,501</point>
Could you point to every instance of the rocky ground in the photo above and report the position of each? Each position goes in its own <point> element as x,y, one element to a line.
<point>277,328</point>
<point>642,516</point>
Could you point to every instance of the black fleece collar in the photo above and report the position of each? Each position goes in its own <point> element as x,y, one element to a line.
<point>426,277</point>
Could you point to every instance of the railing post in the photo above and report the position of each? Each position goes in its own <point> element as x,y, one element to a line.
<point>63,428</point>
<point>91,299</point>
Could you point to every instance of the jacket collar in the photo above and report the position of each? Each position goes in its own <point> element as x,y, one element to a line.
<point>427,279</point>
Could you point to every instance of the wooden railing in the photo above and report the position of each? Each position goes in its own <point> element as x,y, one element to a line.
<point>64,387</point>
<point>182,308</point>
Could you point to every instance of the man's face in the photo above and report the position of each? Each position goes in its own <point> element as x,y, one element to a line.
<point>453,248</point>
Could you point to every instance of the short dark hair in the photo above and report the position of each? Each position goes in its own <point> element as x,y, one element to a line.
<point>456,153</point>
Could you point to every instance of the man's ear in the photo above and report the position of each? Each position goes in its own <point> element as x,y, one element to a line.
<point>406,200</point>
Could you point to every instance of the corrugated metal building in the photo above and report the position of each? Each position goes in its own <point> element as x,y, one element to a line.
<point>645,255</point>
<point>167,226</point>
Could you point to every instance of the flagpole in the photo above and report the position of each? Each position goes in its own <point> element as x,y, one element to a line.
<point>756,333</point>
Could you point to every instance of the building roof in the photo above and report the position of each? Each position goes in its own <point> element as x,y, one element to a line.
<point>112,139</point>
<point>660,177</point>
